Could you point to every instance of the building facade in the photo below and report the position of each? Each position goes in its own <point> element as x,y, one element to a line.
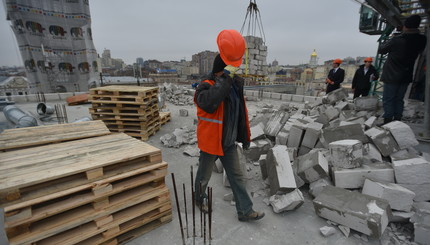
<point>55,42</point>
<point>204,61</point>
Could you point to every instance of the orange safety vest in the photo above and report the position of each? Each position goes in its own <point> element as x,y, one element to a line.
<point>209,128</point>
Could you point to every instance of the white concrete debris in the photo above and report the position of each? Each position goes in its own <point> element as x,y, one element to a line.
<point>192,151</point>
<point>357,211</point>
<point>279,170</point>
<point>383,140</point>
<point>401,217</point>
<point>276,123</point>
<point>263,166</point>
<point>257,131</point>
<point>405,154</point>
<point>256,149</point>
<point>327,231</point>
<point>421,221</point>
<point>354,178</point>
<point>183,112</point>
<point>296,135</point>
<point>335,96</point>
<point>316,187</point>
<point>397,196</point>
<point>402,133</point>
<point>218,168</point>
<point>371,154</point>
<point>345,230</point>
<point>370,122</point>
<point>331,113</point>
<point>346,153</point>
<point>312,134</point>
<point>180,136</point>
<point>287,202</point>
<point>312,166</point>
<point>413,174</point>
<point>368,103</point>
<point>346,132</point>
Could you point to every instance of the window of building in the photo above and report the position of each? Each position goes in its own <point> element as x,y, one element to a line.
<point>20,93</point>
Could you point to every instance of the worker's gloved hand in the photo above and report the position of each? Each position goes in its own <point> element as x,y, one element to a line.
<point>230,70</point>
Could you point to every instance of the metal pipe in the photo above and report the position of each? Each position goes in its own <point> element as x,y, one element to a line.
<point>43,109</point>
<point>179,210</point>
<point>186,212</point>
<point>18,117</point>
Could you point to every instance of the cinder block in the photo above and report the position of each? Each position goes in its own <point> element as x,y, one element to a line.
<point>335,96</point>
<point>286,97</point>
<point>401,217</point>
<point>421,234</point>
<point>354,178</point>
<point>267,95</point>
<point>412,171</point>
<point>341,105</point>
<point>256,149</point>
<point>363,213</point>
<point>312,134</point>
<point>397,196</point>
<point>354,131</point>
<point>331,113</point>
<point>402,133</point>
<point>297,98</point>
<point>263,166</point>
<point>287,202</point>
<point>22,98</point>
<point>346,153</point>
<point>281,138</point>
<point>296,135</point>
<point>383,140</point>
<point>257,131</point>
<point>280,171</point>
<point>303,150</point>
<point>276,123</point>
<point>371,122</point>
<point>316,187</point>
<point>312,166</point>
<point>368,103</point>
<point>276,96</point>
<point>371,154</point>
<point>422,191</point>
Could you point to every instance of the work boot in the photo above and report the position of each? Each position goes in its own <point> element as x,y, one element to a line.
<point>398,119</point>
<point>387,120</point>
<point>203,206</point>
<point>253,215</point>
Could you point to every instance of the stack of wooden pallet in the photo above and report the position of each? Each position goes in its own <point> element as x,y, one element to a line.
<point>164,117</point>
<point>129,109</point>
<point>65,189</point>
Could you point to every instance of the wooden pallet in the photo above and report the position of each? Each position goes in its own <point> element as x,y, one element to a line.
<point>88,221</point>
<point>164,117</point>
<point>131,123</point>
<point>140,129</point>
<point>142,135</point>
<point>122,93</point>
<point>41,170</point>
<point>105,110</point>
<point>41,135</point>
<point>125,116</point>
<point>148,101</point>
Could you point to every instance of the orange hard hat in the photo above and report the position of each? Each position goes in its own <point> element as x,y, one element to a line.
<point>368,59</point>
<point>231,47</point>
<point>337,61</point>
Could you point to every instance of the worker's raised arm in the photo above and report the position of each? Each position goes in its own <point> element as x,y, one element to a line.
<point>208,97</point>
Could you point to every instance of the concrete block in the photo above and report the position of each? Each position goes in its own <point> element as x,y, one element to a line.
<point>341,105</point>
<point>316,187</point>
<point>263,166</point>
<point>218,168</point>
<point>296,135</point>
<point>257,131</point>
<point>371,122</point>
<point>225,181</point>
<point>327,231</point>
<point>331,113</point>
<point>335,96</point>
<point>354,131</point>
<point>292,153</point>
<point>346,114</point>
<point>421,234</point>
<point>346,153</point>
<point>297,98</point>
<point>383,140</point>
<point>276,96</point>
<point>422,191</point>
<point>52,97</point>
<point>397,196</point>
<point>256,149</point>
<point>401,217</point>
<point>303,150</point>
<point>312,134</point>
<point>279,170</point>
<point>183,112</point>
<point>405,154</point>
<point>371,153</point>
<point>363,213</point>
<point>267,95</point>
<point>22,98</point>
<point>402,133</point>
<point>281,138</point>
<point>310,99</point>
<point>287,202</point>
<point>368,103</point>
<point>312,166</point>
<point>286,97</point>
<point>412,171</point>
<point>422,213</point>
<point>354,178</point>
<point>276,123</point>
<point>63,96</point>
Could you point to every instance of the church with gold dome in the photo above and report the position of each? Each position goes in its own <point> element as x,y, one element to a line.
<point>313,62</point>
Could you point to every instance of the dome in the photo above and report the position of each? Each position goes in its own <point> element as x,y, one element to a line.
<point>314,54</point>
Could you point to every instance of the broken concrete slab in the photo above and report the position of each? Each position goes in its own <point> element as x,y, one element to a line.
<point>397,196</point>
<point>331,113</point>
<point>312,166</point>
<point>335,96</point>
<point>401,217</point>
<point>276,123</point>
<point>256,149</point>
<point>263,166</point>
<point>363,213</point>
<point>383,140</point>
<point>316,187</point>
<point>421,221</point>
<point>368,103</point>
<point>345,230</point>
<point>341,105</point>
<point>405,154</point>
<point>312,134</point>
<point>287,202</point>
<point>327,231</point>
<point>183,112</point>
<point>192,151</point>
<point>353,131</point>
<point>303,150</point>
<point>402,133</point>
<point>279,170</point>
<point>354,178</point>
<point>371,154</point>
<point>412,171</point>
<point>257,131</point>
<point>281,138</point>
<point>296,135</point>
<point>346,153</point>
<point>370,122</point>
<point>422,191</point>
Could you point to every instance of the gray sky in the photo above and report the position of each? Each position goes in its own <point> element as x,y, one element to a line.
<point>177,29</point>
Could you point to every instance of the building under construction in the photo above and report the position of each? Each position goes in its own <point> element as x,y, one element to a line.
<point>55,42</point>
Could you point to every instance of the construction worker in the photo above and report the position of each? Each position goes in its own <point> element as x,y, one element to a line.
<point>223,121</point>
<point>397,73</point>
<point>335,76</point>
<point>363,78</point>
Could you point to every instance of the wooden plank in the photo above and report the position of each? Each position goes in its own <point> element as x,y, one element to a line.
<point>40,135</point>
<point>124,90</point>
<point>124,111</point>
<point>145,198</point>
<point>34,170</point>
<point>77,99</point>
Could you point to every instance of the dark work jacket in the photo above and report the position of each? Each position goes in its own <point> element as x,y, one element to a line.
<point>337,77</point>
<point>209,97</point>
<point>402,52</point>
<point>361,80</point>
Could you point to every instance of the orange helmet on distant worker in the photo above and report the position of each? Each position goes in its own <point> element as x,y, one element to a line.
<point>231,47</point>
<point>369,59</point>
<point>337,61</point>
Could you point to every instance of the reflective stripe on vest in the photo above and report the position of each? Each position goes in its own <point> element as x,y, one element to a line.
<point>210,120</point>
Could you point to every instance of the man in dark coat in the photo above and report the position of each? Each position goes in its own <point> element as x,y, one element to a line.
<point>363,78</point>
<point>398,69</point>
<point>335,76</point>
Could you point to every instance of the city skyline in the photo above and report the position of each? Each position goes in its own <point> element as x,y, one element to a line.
<point>156,30</point>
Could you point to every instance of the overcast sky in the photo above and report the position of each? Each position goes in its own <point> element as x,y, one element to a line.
<point>176,29</point>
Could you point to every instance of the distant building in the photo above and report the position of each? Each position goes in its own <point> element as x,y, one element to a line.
<point>204,61</point>
<point>16,85</point>
<point>313,62</point>
<point>55,42</point>
<point>139,61</point>
<point>109,62</point>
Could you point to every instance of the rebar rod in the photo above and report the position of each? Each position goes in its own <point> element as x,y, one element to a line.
<point>179,210</point>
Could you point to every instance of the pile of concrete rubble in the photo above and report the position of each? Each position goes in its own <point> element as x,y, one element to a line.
<point>177,95</point>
